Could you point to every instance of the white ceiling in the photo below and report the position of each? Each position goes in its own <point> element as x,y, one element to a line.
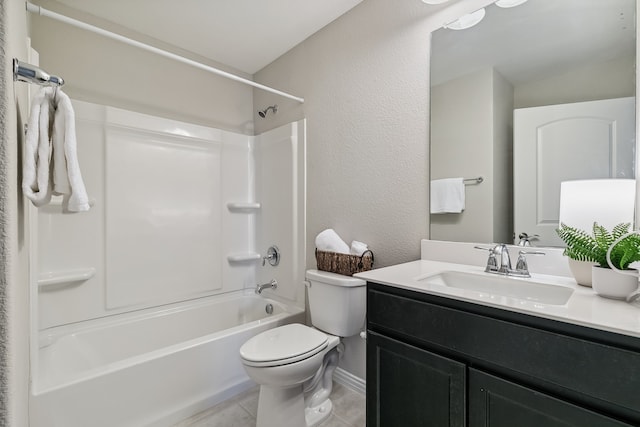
<point>244,34</point>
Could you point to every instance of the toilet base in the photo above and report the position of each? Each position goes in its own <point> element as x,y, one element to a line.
<point>281,407</point>
<point>284,407</point>
<point>315,416</point>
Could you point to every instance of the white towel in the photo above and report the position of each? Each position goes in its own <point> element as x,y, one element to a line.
<point>36,184</point>
<point>358,248</point>
<point>329,241</point>
<point>51,110</point>
<point>447,195</point>
<point>67,178</point>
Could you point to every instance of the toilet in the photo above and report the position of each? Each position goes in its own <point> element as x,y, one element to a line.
<point>294,364</point>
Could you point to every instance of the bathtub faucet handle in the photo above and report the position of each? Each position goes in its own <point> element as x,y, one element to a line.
<point>273,256</point>
<point>273,284</point>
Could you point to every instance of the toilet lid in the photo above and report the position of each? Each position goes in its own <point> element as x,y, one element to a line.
<point>284,344</point>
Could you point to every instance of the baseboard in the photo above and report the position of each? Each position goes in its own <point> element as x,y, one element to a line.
<point>349,380</point>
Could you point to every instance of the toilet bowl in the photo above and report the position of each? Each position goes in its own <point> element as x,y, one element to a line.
<point>283,361</point>
<point>294,364</point>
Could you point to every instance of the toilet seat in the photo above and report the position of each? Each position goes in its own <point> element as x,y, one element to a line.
<point>283,345</point>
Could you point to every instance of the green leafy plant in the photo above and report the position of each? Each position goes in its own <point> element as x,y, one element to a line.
<point>583,246</point>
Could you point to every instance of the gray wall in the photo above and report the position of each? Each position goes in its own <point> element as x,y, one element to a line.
<point>14,231</point>
<point>502,159</point>
<point>365,83</point>
<point>462,141</point>
<point>365,80</point>
<point>616,79</point>
<point>472,124</point>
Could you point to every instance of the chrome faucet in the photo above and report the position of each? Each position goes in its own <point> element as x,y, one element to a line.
<point>273,284</point>
<point>499,261</point>
<point>525,239</point>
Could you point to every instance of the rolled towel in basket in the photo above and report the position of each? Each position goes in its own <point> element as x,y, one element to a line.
<point>329,241</point>
<point>358,248</point>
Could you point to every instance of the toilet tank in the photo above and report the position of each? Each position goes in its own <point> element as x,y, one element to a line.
<point>337,303</point>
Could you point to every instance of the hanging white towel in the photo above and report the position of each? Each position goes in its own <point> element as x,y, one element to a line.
<point>51,162</point>
<point>67,178</point>
<point>447,195</point>
<point>36,183</point>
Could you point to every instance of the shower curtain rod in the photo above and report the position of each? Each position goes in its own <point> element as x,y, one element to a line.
<point>53,15</point>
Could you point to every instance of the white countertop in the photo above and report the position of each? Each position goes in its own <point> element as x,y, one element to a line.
<point>584,307</point>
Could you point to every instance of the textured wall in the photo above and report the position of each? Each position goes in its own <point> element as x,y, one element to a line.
<point>365,80</point>
<point>14,330</point>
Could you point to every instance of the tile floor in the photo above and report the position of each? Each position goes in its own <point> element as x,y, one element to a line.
<point>348,411</point>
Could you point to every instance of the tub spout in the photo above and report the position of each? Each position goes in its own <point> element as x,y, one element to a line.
<point>273,284</point>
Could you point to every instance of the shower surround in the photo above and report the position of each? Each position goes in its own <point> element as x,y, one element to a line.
<point>181,216</point>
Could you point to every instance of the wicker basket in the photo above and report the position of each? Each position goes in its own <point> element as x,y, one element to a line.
<point>344,264</point>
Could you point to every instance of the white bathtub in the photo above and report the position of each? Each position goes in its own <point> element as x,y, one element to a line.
<point>153,368</point>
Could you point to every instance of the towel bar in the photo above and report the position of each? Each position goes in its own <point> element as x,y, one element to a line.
<point>477,180</point>
<point>28,73</point>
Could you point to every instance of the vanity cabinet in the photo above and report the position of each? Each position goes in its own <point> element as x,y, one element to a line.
<point>414,385</point>
<point>495,402</point>
<point>439,362</point>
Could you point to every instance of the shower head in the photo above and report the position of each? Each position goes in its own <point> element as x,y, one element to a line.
<point>263,113</point>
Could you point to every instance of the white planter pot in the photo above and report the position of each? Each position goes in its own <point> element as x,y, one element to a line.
<point>581,271</point>
<point>612,284</point>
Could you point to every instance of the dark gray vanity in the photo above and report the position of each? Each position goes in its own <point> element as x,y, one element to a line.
<point>438,361</point>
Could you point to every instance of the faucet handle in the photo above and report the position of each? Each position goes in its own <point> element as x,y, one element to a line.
<point>273,256</point>
<point>492,261</point>
<point>521,265</point>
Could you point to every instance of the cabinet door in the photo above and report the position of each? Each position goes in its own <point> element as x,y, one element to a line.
<point>411,387</point>
<point>494,402</point>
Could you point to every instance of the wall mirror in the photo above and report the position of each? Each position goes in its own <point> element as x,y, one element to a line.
<point>493,84</point>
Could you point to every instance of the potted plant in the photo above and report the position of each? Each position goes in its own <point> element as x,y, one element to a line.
<point>593,248</point>
<point>582,252</point>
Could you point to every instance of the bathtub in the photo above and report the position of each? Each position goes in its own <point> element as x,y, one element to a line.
<point>151,368</point>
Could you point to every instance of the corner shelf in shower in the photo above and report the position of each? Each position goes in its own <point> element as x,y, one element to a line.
<point>243,257</point>
<point>61,279</point>
<point>243,207</point>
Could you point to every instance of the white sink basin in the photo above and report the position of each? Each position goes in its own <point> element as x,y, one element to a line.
<point>523,289</point>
